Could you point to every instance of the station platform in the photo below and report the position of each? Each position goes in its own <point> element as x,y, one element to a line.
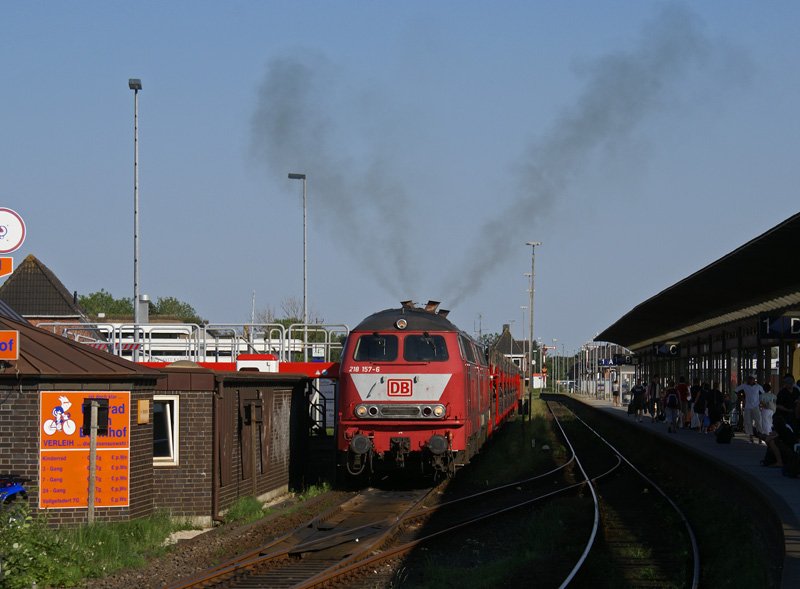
<point>743,457</point>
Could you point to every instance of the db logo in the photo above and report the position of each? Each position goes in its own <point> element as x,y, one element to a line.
<point>399,387</point>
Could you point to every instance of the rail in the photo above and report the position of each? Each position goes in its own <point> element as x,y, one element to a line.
<point>213,342</point>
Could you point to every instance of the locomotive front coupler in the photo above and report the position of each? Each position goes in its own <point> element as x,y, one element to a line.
<point>400,447</point>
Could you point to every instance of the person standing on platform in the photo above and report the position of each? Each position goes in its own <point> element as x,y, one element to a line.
<point>767,404</point>
<point>700,396</point>
<point>694,392</point>
<point>672,407</point>
<point>638,391</point>
<point>786,401</point>
<point>715,404</point>
<point>751,413</point>
<point>652,397</point>
<point>685,397</point>
<point>784,425</point>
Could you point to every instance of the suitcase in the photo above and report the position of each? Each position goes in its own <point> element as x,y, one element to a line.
<point>724,433</point>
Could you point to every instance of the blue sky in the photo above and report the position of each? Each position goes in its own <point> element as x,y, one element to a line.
<point>639,141</point>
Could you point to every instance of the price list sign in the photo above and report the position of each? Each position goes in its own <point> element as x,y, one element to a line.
<point>64,451</point>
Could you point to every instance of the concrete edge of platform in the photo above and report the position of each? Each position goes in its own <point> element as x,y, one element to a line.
<point>787,520</point>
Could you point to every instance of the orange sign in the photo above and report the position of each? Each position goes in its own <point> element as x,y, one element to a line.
<point>64,451</point>
<point>6,266</point>
<point>9,345</point>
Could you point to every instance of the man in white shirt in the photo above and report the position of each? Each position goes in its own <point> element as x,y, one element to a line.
<point>752,410</point>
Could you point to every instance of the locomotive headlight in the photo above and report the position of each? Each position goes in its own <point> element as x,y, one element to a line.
<point>438,410</point>
<point>401,324</point>
<point>361,410</point>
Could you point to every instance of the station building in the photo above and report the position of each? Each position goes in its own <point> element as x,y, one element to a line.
<point>739,315</point>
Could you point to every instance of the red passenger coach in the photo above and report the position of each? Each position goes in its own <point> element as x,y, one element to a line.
<point>415,388</point>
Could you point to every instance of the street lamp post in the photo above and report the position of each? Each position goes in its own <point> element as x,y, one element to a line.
<point>531,335</point>
<point>302,177</point>
<point>135,84</point>
<point>524,358</point>
<point>555,364</point>
<point>529,357</point>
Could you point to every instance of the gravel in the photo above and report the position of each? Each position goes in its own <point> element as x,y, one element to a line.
<point>190,556</point>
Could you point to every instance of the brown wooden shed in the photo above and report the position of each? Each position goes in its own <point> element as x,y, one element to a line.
<point>233,434</point>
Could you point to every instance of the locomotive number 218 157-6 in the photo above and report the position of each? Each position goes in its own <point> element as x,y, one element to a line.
<point>364,369</point>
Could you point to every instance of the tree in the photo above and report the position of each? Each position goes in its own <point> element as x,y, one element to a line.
<point>103,302</point>
<point>172,307</point>
<point>489,339</point>
<point>292,312</point>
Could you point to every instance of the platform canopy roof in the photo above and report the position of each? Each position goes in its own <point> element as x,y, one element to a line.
<point>761,276</point>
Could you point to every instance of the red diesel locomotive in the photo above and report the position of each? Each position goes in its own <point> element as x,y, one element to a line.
<point>415,388</point>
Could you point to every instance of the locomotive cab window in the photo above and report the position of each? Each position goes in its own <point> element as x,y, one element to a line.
<point>376,348</point>
<point>425,348</point>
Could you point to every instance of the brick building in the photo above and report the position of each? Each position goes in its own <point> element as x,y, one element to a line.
<point>48,367</point>
<point>194,440</point>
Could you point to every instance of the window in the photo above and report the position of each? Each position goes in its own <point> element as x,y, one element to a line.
<point>425,348</point>
<point>467,350</point>
<point>376,348</point>
<point>165,430</point>
<point>481,352</point>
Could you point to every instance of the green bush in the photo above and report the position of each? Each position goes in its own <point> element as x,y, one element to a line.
<point>32,552</point>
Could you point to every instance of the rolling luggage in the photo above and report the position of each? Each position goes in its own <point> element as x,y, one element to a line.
<point>724,433</point>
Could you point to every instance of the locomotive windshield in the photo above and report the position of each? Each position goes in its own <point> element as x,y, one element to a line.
<point>425,348</point>
<point>376,348</point>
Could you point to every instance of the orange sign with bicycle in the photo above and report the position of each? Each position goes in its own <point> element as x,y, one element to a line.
<point>64,451</point>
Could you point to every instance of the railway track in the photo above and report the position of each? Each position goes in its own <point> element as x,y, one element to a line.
<point>354,543</point>
<point>368,540</point>
<point>638,526</point>
<point>324,543</point>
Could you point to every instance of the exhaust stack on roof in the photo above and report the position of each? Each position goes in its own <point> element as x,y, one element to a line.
<point>431,306</point>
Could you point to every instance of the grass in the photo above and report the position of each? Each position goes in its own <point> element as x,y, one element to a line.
<point>34,552</point>
<point>528,553</point>
<point>246,510</point>
<point>31,551</point>
<point>525,548</point>
<point>525,440</point>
